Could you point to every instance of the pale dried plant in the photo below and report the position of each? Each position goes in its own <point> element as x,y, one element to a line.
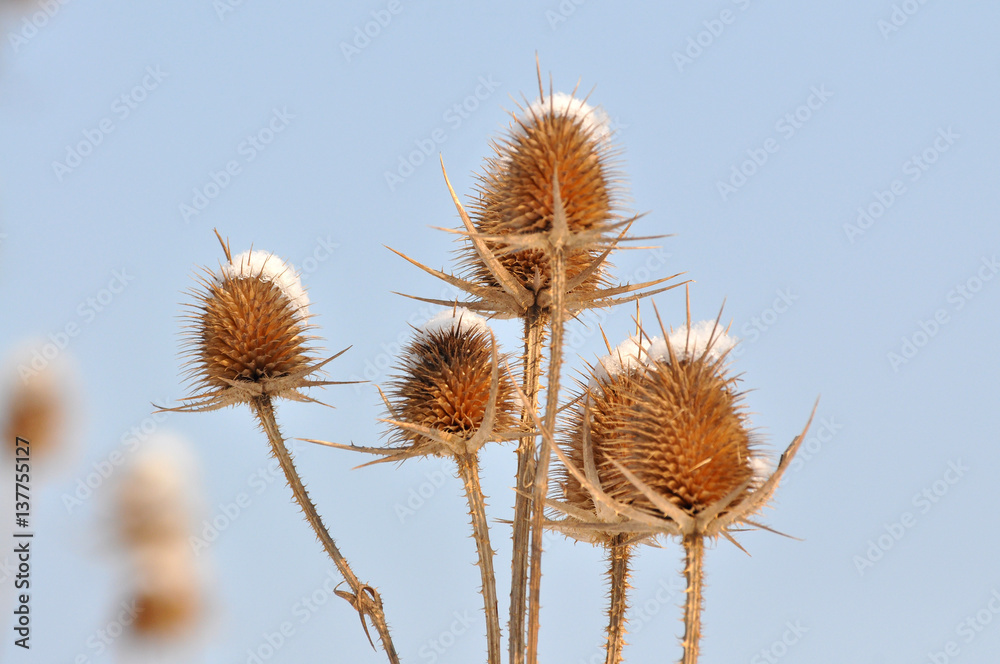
<point>658,447</point>
<point>448,399</point>
<point>661,446</point>
<point>156,501</point>
<point>248,343</point>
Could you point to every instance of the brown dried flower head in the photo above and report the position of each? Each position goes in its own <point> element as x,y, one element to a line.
<point>559,139</point>
<point>38,410</point>
<point>155,508</point>
<point>247,335</point>
<point>658,442</point>
<point>449,393</point>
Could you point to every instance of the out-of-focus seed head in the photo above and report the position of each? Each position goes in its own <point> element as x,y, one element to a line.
<point>443,382</point>
<point>558,138</point>
<point>156,503</point>
<point>248,333</point>
<point>38,410</point>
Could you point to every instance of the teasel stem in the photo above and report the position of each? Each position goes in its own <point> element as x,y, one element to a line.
<point>363,597</point>
<point>557,317</point>
<point>694,551</point>
<point>468,469</point>
<point>619,555</point>
<point>534,330</point>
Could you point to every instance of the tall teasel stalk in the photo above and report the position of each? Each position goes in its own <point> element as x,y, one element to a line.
<point>449,398</point>
<point>544,221</point>
<point>248,343</point>
<point>676,457</point>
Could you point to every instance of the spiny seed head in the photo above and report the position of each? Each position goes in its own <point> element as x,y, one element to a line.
<point>247,333</point>
<point>672,417</point>
<point>557,138</point>
<point>443,382</point>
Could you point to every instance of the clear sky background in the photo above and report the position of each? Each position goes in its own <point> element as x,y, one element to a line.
<point>891,320</point>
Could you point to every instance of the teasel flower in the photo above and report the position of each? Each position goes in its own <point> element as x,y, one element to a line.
<point>41,404</point>
<point>156,501</point>
<point>448,398</point>
<point>659,444</point>
<point>248,343</point>
<point>547,215</point>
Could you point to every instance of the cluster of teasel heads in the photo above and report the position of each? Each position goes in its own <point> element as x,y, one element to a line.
<point>656,442</point>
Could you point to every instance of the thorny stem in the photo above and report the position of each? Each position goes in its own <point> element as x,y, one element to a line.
<point>534,327</point>
<point>468,468</point>
<point>619,554</point>
<point>557,318</point>
<point>694,550</point>
<point>364,597</point>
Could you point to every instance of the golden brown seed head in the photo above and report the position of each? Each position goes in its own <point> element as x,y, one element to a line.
<point>38,411</point>
<point>248,332</point>
<point>676,423</point>
<point>558,138</point>
<point>443,383</point>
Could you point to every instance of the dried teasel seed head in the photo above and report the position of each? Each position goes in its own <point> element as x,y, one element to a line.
<point>443,382</point>
<point>41,402</point>
<point>156,503</point>
<point>247,333</point>
<point>557,138</point>
<point>667,411</point>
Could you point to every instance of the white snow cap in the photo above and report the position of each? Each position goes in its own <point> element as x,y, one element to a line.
<point>266,266</point>
<point>455,317</point>
<point>762,466</point>
<point>701,333</point>
<point>633,353</point>
<point>594,119</point>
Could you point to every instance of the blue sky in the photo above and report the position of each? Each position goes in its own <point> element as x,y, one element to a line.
<point>826,170</point>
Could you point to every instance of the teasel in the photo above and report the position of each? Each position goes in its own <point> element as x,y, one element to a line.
<point>248,342</point>
<point>659,444</point>
<point>157,500</point>
<point>42,406</point>
<point>448,399</point>
<point>546,217</point>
